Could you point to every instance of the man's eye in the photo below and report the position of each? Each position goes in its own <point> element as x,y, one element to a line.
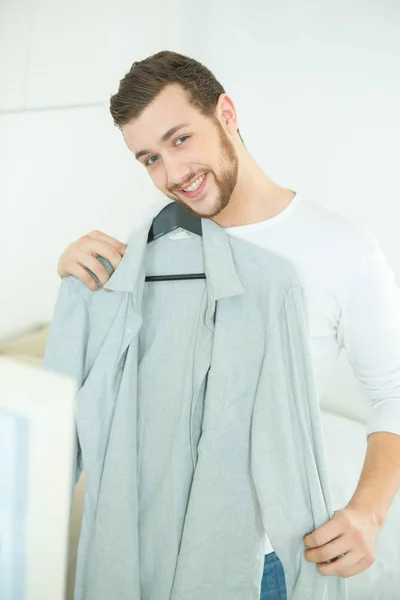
<point>183,137</point>
<point>148,161</point>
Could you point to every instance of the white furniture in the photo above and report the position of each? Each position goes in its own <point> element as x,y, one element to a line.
<point>36,452</point>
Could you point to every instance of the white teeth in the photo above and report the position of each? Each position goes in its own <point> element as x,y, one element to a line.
<point>195,185</point>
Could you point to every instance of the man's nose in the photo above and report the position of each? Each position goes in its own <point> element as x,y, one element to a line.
<point>177,173</point>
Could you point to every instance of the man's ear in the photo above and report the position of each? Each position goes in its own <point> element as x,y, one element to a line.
<point>226,114</point>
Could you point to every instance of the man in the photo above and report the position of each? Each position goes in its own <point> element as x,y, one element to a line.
<point>180,124</point>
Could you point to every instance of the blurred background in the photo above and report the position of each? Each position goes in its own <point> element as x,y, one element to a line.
<point>317,89</point>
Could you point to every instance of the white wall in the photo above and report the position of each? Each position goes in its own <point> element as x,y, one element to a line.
<point>316,85</point>
<point>64,167</point>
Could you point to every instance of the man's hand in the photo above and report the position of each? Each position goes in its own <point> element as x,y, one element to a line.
<point>351,536</point>
<point>83,253</point>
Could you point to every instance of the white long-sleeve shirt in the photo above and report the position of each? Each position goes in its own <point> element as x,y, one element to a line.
<point>352,300</point>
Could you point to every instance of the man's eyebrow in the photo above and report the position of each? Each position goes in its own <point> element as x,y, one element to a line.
<point>164,139</point>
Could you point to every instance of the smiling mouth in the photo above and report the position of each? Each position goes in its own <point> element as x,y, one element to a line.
<point>195,188</point>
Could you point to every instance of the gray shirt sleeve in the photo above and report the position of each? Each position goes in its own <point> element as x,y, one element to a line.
<point>67,344</point>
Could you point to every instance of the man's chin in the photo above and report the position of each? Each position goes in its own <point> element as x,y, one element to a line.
<point>206,214</point>
<point>202,211</point>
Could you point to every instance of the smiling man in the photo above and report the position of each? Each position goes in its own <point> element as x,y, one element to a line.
<point>180,124</point>
<point>208,187</point>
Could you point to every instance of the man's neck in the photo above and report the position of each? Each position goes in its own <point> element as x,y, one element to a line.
<point>255,198</point>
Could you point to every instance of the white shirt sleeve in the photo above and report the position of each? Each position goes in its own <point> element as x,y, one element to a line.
<point>370,325</point>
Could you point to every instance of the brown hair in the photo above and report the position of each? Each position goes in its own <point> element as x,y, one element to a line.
<point>148,77</point>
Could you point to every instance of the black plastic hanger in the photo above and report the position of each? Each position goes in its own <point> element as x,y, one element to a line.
<point>174,216</point>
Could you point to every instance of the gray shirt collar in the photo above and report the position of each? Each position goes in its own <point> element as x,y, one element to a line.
<point>222,278</point>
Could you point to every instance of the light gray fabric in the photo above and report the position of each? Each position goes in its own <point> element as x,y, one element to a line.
<point>198,423</point>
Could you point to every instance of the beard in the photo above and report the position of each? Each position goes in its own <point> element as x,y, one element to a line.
<point>225,181</point>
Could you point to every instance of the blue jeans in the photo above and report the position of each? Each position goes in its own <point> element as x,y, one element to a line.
<point>273,586</point>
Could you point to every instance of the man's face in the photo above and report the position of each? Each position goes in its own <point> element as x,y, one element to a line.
<point>189,156</point>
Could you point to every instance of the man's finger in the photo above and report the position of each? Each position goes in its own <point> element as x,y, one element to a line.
<point>80,273</point>
<point>329,551</point>
<point>341,567</point>
<point>328,532</point>
<point>92,263</point>
<point>103,237</point>
<point>99,248</point>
